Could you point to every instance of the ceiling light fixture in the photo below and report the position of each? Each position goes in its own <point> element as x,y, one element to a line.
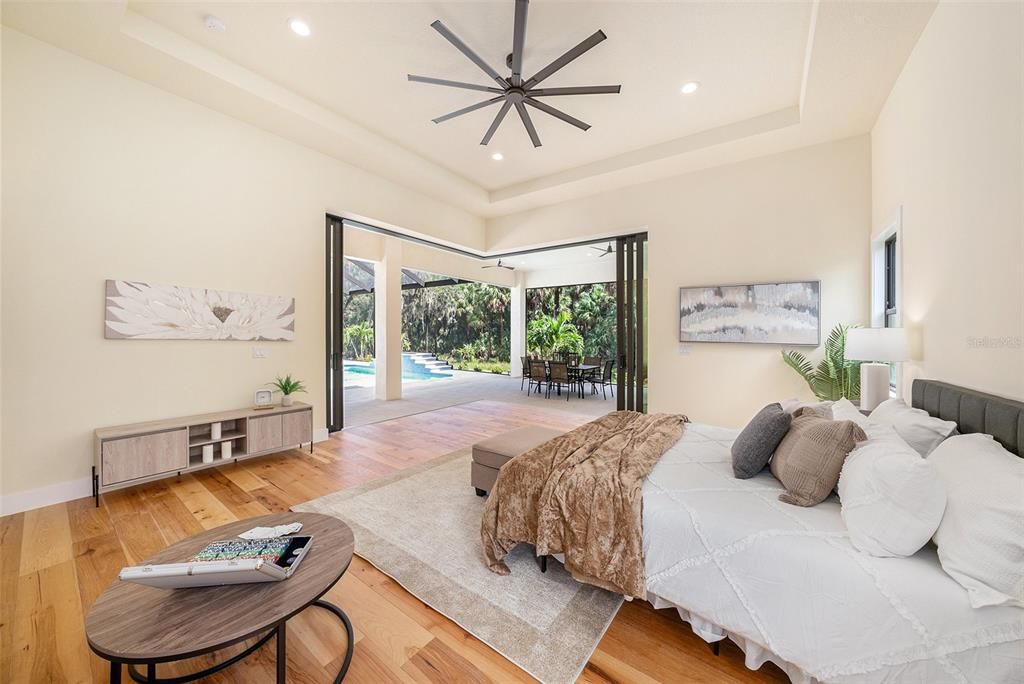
<point>497,156</point>
<point>690,88</point>
<point>300,27</point>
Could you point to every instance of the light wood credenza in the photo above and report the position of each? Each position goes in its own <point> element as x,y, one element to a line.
<point>127,455</point>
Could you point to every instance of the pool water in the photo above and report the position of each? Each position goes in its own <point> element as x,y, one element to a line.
<point>363,374</point>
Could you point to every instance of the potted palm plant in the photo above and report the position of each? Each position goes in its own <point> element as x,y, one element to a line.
<point>287,386</point>
<point>835,376</point>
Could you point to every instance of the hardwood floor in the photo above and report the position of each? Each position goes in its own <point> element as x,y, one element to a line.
<point>55,561</point>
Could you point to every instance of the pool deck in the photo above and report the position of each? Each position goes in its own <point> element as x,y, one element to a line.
<point>463,387</point>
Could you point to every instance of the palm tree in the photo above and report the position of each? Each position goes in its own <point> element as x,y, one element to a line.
<point>360,336</point>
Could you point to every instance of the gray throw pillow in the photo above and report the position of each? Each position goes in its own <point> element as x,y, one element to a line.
<point>755,445</point>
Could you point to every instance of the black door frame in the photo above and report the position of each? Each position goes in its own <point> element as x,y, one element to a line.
<point>630,320</point>
<point>335,343</point>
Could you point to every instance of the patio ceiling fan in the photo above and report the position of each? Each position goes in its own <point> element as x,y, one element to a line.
<point>513,90</point>
<point>500,265</point>
<point>605,251</point>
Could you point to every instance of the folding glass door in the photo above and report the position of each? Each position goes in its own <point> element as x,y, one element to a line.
<point>631,302</point>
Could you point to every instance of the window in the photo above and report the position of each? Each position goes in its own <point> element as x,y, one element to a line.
<point>887,285</point>
<point>891,310</point>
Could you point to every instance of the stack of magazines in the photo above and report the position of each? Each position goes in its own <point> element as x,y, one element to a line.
<point>231,561</point>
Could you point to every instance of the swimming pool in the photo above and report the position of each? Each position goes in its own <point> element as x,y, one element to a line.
<point>363,373</point>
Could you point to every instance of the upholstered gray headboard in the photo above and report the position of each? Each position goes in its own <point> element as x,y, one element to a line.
<point>973,411</point>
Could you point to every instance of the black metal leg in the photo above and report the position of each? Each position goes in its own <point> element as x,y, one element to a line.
<point>351,647</point>
<point>480,492</point>
<point>282,655</point>
<point>115,672</point>
<point>310,446</point>
<point>714,647</point>
<point>543,563</point>
<point>151,672</point>
<point>96,486</point>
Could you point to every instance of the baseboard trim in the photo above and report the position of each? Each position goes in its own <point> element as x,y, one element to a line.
<point>19,502</point>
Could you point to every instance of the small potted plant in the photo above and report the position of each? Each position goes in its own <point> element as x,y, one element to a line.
<point>287,386</point>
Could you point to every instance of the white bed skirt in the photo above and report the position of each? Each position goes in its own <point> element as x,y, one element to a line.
<point>755,654</point>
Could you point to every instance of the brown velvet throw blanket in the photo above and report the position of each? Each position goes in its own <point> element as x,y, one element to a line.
<point>580,494</point>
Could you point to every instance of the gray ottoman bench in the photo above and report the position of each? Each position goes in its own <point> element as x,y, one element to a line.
<point>490,454</point>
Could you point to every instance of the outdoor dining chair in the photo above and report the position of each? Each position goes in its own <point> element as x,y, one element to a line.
<point>559,376</point>
<point>538,375</point>
<point>605,381</point>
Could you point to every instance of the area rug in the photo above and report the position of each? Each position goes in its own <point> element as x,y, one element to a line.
<point>421,526</point>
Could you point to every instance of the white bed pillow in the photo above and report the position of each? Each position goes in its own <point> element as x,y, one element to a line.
<point>917,428</point>
<point>981,536</point>
<point>891,499</point>
<point>845,410</point>
<point>822,408</point>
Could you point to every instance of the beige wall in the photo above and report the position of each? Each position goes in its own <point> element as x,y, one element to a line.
<point>802,215</point>
<point>106,177</point>
<point>948,149</point>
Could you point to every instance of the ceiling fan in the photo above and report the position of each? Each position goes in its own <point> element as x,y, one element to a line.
<point>500,265</point>
<point>605,251</point>
<point>513,90</point>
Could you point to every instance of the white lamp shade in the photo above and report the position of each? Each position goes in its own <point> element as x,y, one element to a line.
<point>877,344</point>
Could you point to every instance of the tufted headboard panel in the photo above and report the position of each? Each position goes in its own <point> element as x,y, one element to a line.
<point>973,411</point>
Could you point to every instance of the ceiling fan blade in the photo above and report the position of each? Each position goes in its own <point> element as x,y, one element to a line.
<point>557,113</point>
<point>465,49</point>
<point>576,90</point>
<point>572,54</point>
<point>519,41</point>
<point>498,118</point>
<point>453,84</point>
<point>525,116</point>
<point>467,110</point>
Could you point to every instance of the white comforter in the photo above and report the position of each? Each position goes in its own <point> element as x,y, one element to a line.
<point>785,583</point>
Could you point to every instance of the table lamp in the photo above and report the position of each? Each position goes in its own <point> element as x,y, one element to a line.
<point>878,347</point>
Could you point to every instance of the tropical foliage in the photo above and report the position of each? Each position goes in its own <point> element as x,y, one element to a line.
<point>592,309</point>
<point>834,377</point>
<point>546,335</point>
<point>469,324</point>
<point>359,338</point>
<point>472,318</point>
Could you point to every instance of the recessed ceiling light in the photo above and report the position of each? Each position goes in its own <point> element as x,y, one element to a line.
<point>497,156</point>
<point>690,88</point>
<point>300,27</point>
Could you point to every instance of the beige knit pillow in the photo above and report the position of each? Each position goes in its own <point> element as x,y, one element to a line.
<point>810,457</point>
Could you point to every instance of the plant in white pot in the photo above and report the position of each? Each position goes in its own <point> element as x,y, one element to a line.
<point>287,386</point>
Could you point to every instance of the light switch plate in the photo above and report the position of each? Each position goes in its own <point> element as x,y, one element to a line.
<point>259,352</point>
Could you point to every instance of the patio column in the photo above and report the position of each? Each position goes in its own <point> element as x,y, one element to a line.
<point>518,322</point>
<point>387,317</point>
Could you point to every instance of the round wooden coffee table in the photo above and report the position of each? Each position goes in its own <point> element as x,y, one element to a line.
<point>133,624</point>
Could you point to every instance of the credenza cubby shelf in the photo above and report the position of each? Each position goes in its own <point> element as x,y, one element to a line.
<point>127,455</point>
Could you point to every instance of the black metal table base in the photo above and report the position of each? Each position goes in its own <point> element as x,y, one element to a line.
<point>280,631</point>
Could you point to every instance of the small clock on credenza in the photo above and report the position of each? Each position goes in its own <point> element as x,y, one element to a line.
<point>263,399</point>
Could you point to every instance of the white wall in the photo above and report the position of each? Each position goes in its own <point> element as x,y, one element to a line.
<point>106,177</point>
<point>801,215</point>
<point>948,148</point>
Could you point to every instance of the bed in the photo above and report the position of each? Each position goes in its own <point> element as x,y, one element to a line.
<point>786,585</point>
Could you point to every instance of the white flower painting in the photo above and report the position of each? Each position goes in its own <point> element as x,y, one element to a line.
<point>143,311</point>
<point>772,313</point>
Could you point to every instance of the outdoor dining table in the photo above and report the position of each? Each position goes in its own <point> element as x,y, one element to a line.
<point>581,371</point>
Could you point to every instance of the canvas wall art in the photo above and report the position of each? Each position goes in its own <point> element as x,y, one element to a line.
<point>143,311</point>
<point>771,313</point>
